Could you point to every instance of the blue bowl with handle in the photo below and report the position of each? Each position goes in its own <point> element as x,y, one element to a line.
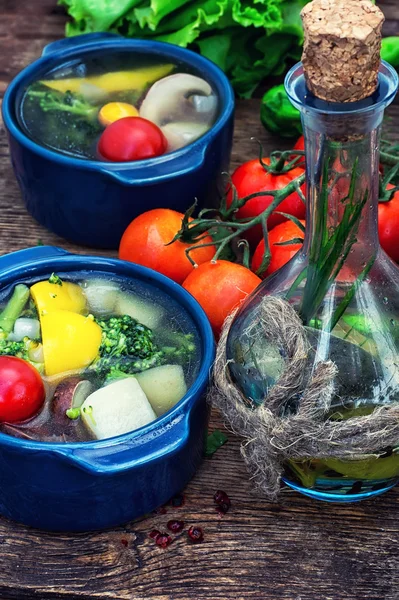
<point>91,202</point>
<point>95,485</point>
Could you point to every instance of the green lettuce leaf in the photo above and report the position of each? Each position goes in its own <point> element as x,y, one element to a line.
<point>248,39</point>
<point>95,15</point>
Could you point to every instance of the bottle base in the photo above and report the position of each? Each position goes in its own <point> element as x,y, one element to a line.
<point>342,491</point>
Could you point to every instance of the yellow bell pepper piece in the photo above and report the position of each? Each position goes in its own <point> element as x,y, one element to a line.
<point>118,81</point>
<point>51,296</point>
<point>70,341</point>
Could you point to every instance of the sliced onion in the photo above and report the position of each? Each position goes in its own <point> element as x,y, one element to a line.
<point>25,327</point>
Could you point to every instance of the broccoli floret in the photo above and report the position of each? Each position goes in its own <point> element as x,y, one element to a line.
<point>124,336</point>
<point>180,346</point>
<point>128,347</point>
<point>12,311</point>
<point>22,350</point>
<point>55,279</point>
<point>52,100</point>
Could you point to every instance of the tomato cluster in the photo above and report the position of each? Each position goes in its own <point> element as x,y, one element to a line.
<point>220,286</point>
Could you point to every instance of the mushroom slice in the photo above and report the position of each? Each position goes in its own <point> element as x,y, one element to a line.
<point>176,97</point>
<point>180,134</point>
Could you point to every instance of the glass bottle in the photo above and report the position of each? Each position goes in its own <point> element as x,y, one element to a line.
<point>342,284</point>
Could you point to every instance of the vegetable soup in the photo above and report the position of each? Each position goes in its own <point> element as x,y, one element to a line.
<point>121,106</point>
<point>91,357</point>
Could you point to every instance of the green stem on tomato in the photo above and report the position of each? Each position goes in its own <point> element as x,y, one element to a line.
<point>191,230</point>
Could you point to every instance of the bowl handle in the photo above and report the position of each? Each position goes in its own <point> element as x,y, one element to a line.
<point>28,255</point>
<point>76,41</point>
<point>114,457</point>
<point>156,173</point>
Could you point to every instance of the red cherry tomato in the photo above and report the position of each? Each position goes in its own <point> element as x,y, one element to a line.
<point>22,391</point>
<point>146,242</point>
<point>131,138</point>
<point>219,287</point>
<point>300,145</point>
<point>280,255</point>
<point>251,177</point>
<point>388,225</point>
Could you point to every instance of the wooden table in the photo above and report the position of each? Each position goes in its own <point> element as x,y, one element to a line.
<point>295,550</point>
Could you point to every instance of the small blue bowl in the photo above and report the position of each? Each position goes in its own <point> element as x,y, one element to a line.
<point>92,202</point>
<point>95,485</point>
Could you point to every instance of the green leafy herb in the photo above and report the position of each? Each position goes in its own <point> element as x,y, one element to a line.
<point>214,441</point>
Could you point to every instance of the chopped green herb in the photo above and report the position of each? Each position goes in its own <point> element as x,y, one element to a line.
<point>215,441</point>
<point>73,413</point>
<point>89,411</point>
<point>55,279</point>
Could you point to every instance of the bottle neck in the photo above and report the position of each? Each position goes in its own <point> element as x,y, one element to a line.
<point>342,163</point>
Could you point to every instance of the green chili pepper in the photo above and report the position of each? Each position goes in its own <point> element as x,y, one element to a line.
<point>390,50</point>
<point>278,115</point>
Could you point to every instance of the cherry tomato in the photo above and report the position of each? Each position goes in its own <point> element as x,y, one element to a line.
<point>22,391</point>
<point>300,145</point>
<point>388,225</point>
<point>131,138</point>
<point>280,255</point>
<point>251,177</point>
<point>144,242</point>
<point>219,287</point>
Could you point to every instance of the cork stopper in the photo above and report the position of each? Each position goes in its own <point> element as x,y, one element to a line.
<point>341,55</point>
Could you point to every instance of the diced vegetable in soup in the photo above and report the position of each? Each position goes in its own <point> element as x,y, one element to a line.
<point>107,357</point>
<point>118,107</point>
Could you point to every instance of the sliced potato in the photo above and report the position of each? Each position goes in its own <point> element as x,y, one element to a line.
<point>116,409</point>
<point>164,386</point>
<point>144,312</point>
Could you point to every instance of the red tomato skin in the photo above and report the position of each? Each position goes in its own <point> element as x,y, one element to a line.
<point>22,391</point>
<point>280,255</point>
<point>388,225</point>
<point>300,145</point>
<point>251,177</point>
<point>144,242</point>
<point>131,138</point>
<point>219,288</point>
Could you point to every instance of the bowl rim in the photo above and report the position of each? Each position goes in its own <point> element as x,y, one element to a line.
<point>164,49</point>
<point>70,263</point>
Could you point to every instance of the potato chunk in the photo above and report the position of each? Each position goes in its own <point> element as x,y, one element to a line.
<point>148,314</point>
<point>163,386</point>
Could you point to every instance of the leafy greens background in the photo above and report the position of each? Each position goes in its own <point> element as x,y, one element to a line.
<point>248,39</point>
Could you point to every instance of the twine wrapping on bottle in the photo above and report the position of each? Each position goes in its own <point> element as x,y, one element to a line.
<point>269,437</point>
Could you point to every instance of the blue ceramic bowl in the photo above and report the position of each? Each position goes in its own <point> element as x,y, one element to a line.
<point>92,202</point>
<point>94,485</point>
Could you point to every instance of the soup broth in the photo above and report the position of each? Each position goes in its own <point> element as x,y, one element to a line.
<point>69,108</point>
<point>113,355</point>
